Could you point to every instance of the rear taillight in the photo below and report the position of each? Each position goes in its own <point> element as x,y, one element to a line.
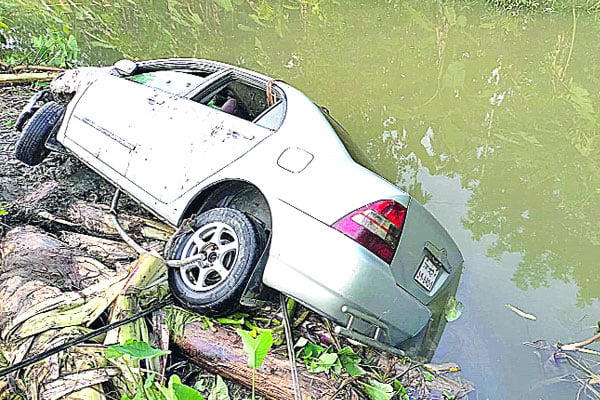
<point>376,226</point>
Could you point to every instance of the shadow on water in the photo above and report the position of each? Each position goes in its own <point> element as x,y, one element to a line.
<point>486,117</point>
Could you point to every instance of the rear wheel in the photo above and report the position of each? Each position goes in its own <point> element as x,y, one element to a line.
<point>227,247</point>
<point>30,147</point>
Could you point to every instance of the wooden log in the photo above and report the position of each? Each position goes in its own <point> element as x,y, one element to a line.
<point>6,79</point>
<point>107,250</point>
<point>95,218</point>
<point>44,68</point>
<point>32,254</point>
<point>220,351</point>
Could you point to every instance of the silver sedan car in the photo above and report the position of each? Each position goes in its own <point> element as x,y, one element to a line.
<point>270,192</point>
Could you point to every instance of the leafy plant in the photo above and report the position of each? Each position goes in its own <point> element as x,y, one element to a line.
<point>351,361</point>
<point>256,349</point>
<point>319,359</point>
<point>148,389</point>
<point>428,376</point>
<point>3,209</point>
<point>401,391</point>
<point>377,390</point>
<point>453,309</point>
<point>325,362</point>
<point>57,49</point>
<point>219,390</point>
<point>136,350</point>
<point>234,319</point>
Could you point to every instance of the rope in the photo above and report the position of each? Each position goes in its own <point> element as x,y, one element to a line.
<point>30,361</point>
<point>126,238</point>
<point>270,96</point>
<point>290,348</point>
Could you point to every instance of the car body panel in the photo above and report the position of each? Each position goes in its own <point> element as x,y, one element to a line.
<point>168,149</point>
<point>422,238</point>
<point>329,271</point>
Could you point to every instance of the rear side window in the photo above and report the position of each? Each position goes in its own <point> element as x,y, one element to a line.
<point>249,101</point>
<point>272,117</point>
<point>246,101</point>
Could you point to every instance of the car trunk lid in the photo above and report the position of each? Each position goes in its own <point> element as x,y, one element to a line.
<point>427,259</point>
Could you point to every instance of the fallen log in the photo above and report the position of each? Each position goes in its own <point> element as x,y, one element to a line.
<point>107,250</point>
<point>95,218</point>
<point>34,255</point>
<point>26,77</point>
<point>220,351</point>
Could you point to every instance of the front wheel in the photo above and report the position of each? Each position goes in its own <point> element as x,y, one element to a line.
<point>31,146</point>
<point>226,246</point>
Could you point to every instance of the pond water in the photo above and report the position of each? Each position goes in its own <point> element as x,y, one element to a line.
<point>489,119</point>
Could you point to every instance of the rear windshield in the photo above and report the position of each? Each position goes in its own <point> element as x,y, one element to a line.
<point>352,148</point>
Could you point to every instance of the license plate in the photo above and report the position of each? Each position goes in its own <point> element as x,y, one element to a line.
<point>427,273</point>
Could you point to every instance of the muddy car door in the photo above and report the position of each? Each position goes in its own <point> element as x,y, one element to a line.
<point>192,138</point>
<point>108,120</point>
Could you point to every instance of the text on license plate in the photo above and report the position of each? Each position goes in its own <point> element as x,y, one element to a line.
<point>427,274</point>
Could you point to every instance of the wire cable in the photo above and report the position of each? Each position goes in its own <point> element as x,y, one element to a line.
<point>30,361</point>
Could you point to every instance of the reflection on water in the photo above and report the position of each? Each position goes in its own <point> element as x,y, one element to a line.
<point>489,119</point>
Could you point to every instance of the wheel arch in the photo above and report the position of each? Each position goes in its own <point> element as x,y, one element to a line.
<point>238,194</point>
<point>247,198</point>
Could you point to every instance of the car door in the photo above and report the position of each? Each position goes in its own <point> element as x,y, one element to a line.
<point>188,142</point>
<point>109,119</point>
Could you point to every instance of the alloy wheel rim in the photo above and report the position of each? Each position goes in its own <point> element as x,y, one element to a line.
<point>218,246</point>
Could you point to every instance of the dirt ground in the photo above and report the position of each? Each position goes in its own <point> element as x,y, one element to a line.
<point>74,180</point>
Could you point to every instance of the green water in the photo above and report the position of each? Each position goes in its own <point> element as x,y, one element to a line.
<point>488,118</point>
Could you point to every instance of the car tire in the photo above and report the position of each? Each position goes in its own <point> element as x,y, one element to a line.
<point>230,246</point>
<point>30,147</point>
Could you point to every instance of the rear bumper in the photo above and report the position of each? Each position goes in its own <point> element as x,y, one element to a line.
<point>331,274</point>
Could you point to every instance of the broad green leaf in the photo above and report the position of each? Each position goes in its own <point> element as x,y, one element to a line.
<point>301,342</point>
<point>226,4</point>
<point>378,391</point>
<point>2,210</point>
<point>149,380</point>
<point>428,376</point>
<point>183,392</point>
<point>351,361</point>
<point>453,309</point>
<point>3,26</point>
<point>219,390</point>
<point>256,349</point>
<point>312,350</point>
<point>324,363</point>
<point>111,353</point>
<point>401,392</point>
<point>234,319</point>
<point>134,349</point>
